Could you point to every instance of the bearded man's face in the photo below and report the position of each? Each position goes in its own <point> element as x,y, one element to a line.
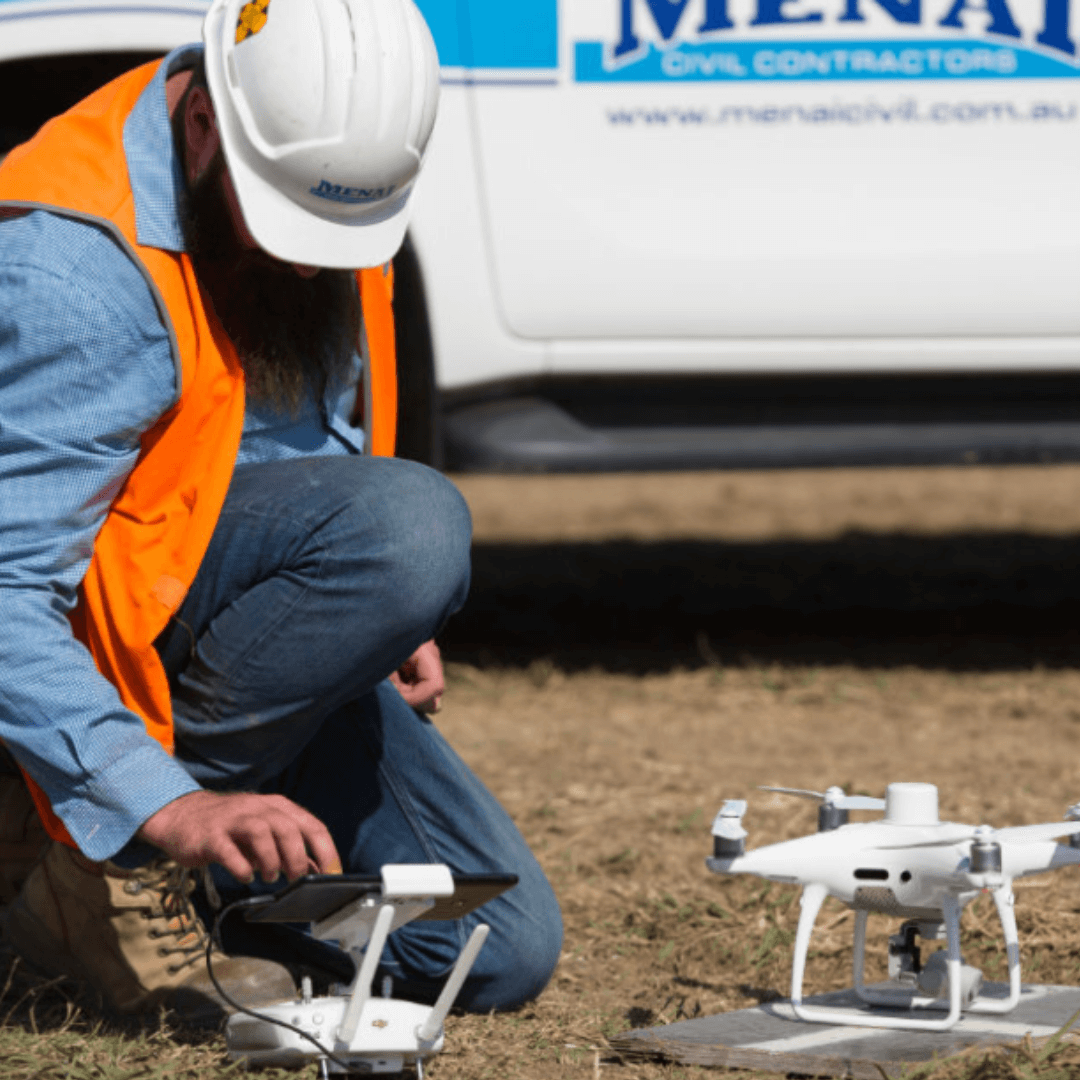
<point>295,336</point>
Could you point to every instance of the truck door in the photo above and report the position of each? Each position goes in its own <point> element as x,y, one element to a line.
<point>705,170</point>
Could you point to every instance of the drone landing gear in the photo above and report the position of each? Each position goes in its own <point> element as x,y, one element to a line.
<point>963,983</point>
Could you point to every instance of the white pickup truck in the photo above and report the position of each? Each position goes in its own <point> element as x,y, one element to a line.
<point>710,233</point>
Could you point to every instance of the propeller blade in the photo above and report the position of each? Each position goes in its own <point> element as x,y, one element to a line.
<point>840,801</point>
<point>1033,834</point>
<point>801,793</point>
<point>945,841</point>
<point>859,802</point>
<point>1016,834</point>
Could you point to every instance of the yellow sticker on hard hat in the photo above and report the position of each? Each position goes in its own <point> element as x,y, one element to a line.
<point>252,19</point>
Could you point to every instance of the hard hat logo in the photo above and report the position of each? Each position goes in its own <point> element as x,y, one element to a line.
<point>252,19</point>
<point>340,193</point>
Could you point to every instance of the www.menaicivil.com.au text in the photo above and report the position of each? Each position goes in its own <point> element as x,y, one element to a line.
<point>905,111</point>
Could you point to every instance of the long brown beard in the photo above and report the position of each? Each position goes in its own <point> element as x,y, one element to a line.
<point>296,337</point>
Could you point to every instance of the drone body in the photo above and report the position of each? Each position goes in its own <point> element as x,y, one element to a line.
<point>910,865</point>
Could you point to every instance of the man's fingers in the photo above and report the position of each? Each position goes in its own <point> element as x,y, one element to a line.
<point>260,843</point>
<point>317,843</point>
<point>293,853</point>
<point>228,855</point>
<point>413,693</point>
<point>420,680</point>
<point>299,835</point>
<point>245,833</point>
<point>323,851</point>
<point>432,680</point>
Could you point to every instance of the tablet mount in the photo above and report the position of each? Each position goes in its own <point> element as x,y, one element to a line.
<point>358,1030</point>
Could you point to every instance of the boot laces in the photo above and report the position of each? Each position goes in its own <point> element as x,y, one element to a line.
<point>176,916</point>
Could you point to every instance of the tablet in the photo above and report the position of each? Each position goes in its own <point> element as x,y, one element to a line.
<point>318,896</point>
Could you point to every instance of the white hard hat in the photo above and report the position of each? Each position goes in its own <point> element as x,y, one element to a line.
<point>325,108</point>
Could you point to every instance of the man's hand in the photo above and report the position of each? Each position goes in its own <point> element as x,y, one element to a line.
<point>420,679</point>
<point>245,833</point>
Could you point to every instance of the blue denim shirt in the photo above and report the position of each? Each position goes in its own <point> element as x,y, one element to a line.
<point>85,369</point>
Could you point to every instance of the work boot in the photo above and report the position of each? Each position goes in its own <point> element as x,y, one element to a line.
<point>23,838</point>
<point>133,938</point>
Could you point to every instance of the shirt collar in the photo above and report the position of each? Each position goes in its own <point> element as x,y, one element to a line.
<point>157,179</point>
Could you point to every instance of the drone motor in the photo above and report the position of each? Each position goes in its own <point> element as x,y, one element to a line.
<point>1073,814</point>
<point>830,816</point>
<point>985,852</point>
<point>729,836</point>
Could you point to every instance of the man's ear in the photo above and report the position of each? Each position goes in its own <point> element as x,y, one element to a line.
<point>200,132</point>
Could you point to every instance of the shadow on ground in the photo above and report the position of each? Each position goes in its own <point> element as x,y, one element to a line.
<point>37,1005</point>
<point>966,602</point>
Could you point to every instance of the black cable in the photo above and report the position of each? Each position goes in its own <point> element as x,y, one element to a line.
<point>214,936</point>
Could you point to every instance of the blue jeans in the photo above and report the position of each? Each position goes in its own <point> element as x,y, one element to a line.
<point>322,577</point>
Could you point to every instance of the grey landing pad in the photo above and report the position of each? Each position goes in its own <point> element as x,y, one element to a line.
<point>769,1037</point>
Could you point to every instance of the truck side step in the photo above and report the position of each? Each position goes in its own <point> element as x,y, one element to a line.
<point>532,434</point>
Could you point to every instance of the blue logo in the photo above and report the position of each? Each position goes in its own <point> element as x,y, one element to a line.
<point>352,196</point>
<point>708,46</point>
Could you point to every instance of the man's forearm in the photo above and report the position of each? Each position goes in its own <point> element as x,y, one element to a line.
<point>65,724</point>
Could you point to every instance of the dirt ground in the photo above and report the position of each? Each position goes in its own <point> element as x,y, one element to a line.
<point>969,569</point>
<point>639,648</point>
<point>810,504</point>
<point>636,649</point>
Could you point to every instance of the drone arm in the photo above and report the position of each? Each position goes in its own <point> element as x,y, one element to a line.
<point>813,896</point>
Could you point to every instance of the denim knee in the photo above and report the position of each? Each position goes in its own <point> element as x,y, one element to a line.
<point>428,531</point>
<point>516,963</point>
<point>323,575</point>
<point>518,968</point>
<point>395,536</point>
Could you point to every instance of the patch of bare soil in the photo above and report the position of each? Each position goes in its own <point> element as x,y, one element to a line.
<point>971,569</point>
<point>805,504</point>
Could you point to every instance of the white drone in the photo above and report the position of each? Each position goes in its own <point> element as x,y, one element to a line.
<point>909,865</point>
<point>353,1030</point>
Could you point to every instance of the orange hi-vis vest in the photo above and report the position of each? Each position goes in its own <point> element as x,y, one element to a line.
<point>159,526</point>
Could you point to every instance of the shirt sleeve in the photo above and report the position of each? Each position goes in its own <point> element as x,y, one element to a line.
<point>85,368</point>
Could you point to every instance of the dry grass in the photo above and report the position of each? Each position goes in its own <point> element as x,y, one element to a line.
<point>614,778</point>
